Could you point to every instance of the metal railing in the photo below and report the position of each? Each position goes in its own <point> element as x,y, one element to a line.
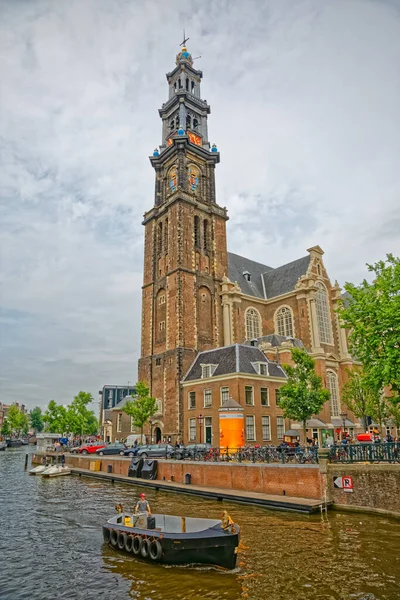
<point>372,453</point>
<point>250,454</point>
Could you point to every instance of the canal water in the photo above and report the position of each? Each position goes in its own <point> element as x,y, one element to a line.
<point>51,547</point>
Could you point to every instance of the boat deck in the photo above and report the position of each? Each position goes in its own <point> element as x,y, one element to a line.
<point>287,503</point>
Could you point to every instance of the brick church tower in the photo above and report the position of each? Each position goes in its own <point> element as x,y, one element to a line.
<point>185,254</point>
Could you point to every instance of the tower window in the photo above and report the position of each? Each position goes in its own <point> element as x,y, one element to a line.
<point>205,234</point>
<point>197,231</point>
<point>195,123</point>
<point>187,83</point>
<point>166,236</point>
<point>175,86</point>
<point>160,237</point>
<point>192,86</point>
<point>188,122</point>
<point>333,388</point>
<point>180,83</point>
<point>162,325</point>
<point>172,124</point>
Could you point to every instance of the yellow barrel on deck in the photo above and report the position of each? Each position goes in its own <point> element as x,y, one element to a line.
<point>231,425</point>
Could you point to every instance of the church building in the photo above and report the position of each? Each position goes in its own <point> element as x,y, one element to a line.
<point>199,298</point>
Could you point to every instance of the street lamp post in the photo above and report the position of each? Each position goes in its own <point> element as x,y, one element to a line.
<point>343,416</point>
<point>151,431</point>
<point>200,420</point>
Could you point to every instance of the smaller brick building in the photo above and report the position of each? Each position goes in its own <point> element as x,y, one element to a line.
<point>244,373</point>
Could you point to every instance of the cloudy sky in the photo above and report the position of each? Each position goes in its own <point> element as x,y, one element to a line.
<point>305,98</point>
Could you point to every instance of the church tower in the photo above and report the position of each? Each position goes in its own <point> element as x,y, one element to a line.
<point>185,254</point>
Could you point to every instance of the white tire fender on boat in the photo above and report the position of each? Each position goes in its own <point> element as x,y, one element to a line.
<point>145,548</point>
<point>155,550</point>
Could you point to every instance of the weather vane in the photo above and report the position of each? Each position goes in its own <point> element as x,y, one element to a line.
<point>185,39</point>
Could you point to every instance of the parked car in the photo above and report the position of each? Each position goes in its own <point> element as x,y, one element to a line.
<point>156,451</point>
<point>131,452</point>
<point>116,448</point>
<point>88,448</point>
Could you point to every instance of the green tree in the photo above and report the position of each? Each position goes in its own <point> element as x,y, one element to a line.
<point>36,419</point>
<point>358,395</point>
<point>81,420</point>
<point>372,317</point>
<point>142,408</point>
<point>6,429</point>
<point>55,417</point>
<point>18,420</point>
<point>379,408</point>
<point>303,395</point>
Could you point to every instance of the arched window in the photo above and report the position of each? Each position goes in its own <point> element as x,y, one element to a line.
<point>160,238</point>
<point>205,234</point>
<point>192,82</point>
<point>253,324</point>
<point>166,236</point>
<point>187,83</point>
<point>180,83</point>
<point>188,122</point>
<point>332,384</point>
<point>197,232</point>
<point>195,123</point>
<point>172,124</point>
<point>177,121</point>
<point>323,315</point>
<point>284,322</point>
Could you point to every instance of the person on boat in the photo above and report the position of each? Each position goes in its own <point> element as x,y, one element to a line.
<point>142,506</point>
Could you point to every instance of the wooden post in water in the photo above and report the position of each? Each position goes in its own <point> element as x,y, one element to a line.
<point>183,523</point>
<point>26,461</point>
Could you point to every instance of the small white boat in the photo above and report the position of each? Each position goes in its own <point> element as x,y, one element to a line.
<point>56,471</point>
<point>38,470</point>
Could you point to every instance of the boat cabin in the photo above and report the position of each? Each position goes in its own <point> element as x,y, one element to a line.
<point>46,441</point>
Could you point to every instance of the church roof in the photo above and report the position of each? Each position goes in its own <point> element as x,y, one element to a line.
<point>237,358</point>
<point>265,282</point>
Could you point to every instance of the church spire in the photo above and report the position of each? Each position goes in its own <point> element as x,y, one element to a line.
<point>184,113</point>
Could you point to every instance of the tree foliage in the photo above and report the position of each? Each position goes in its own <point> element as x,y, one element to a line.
<point>36,419</point>
<point>372,317</point>
<point>18,420</point>
<point>75,418</point>
<point>303,395</point>
<point>6,429</point>
<point>358,394</point>
<point>142,408</point>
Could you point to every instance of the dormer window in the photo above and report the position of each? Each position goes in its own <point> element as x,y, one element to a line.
<point>207,371</point>
<point>247,275</point>
<point>261,368</point>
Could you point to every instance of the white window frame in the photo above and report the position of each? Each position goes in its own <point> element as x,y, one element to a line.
<point>332,385</point>
<point>162,325</point>
<point>191,395</point>
<point>207,393</point>
<point>266,428</point>
<point>253,323</point>
<point>284,322</point>
<point>192,429</point>
<point>162,299</point>
<point>280,427</point>
<point>261,390</point>
<point>207,371</point>
<point>251,425</point>
<point>249,388</point>
<point>323,314</point>
<point>119,422</point>
<point>222,391</point>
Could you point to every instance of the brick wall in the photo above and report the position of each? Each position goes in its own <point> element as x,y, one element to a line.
<point>376,487</point>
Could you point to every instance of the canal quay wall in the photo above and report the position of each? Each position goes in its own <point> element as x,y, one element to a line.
<point>374,487</point>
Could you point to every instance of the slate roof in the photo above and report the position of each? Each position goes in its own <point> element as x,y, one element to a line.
<point>266,282</point>
<point>232,359</point>
<point>122,403</point>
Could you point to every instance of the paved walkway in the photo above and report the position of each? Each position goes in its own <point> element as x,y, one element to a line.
<point>290,503</point>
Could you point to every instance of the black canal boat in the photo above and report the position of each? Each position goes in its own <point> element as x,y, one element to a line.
<point>174,540</point>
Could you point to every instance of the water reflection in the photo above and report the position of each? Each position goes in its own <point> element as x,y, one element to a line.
<point>51,547</point>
